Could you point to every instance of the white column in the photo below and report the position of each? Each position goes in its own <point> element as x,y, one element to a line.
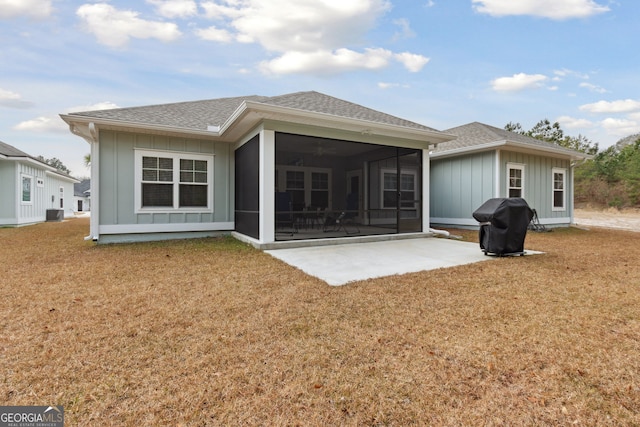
<point>94,220</point>
<point>267,185</point>
<point>426,191</point>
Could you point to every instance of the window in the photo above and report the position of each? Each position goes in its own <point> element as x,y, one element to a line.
<point>515,180</point>
<point>172,181</point>
<point>559,184</point>
<point>319,189</point>
<point>61,197</point>
<point>27,190</point>
<point>390,189</point>
<point>307,186</point>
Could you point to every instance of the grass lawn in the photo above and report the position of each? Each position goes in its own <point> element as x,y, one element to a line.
<point>213,332</point>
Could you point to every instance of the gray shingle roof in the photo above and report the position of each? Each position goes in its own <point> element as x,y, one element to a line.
<point>80,188</point>
<point>199,115</point>
<point>476,134</point>
<point>11,151</point>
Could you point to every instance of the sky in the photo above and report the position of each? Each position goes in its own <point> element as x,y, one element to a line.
<point>439,63</point>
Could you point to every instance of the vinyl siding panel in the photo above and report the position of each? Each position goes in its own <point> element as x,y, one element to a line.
<point>538,191</point>
<point>460,185</point>
<point>8,196</point>
<point>117,183</point>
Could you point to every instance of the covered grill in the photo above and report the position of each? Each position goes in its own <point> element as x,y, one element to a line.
<point>503,225</point>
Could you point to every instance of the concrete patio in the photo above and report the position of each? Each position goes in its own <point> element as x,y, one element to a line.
<point>344,263</point>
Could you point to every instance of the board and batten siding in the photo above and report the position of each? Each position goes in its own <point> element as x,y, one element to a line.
<point>117,180</point>
<point>14,211</point>
<point>459,185</point>
<point>538,184</point>
<point>8,197</point>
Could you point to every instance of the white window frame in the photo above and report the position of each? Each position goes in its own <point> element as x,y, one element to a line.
<point>521,168</point>
<point>562,171</point>
<point>176,157</point>
<point>29,178</point>
<point>61,196</point>
<point>411,172</point>
<point>281,180</point>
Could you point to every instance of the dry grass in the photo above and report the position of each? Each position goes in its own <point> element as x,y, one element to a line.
<point>211,332</point>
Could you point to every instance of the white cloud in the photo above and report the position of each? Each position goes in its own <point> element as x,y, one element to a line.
<point>553,9</point>
<point>405,29</point>
<point>621,127</point>
<point>214,34</point>
<point>38,9</point>
<point>607,107</point>
<point>518,82</point>
<point>114,28</point>
<point>327,62</point>
<point>385,85</point>
<point>54,123</point>
<point>570,73</point>
<point>574,123</point>
<point>43,124</point>
<point>13,100</point>
<point>105,105</point>
<point>313,36</point>
<point>307,25</point>
<point>175,8</point>
<point>593,88</point>
<point>411,61</point>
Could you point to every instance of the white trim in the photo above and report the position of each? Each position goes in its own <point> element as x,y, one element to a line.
<point>176,157</point>
<point>454,221</point>
<point>267,147</point>
<point>497,173</point>
<point>473,222</point>
<point>166,228</point>
<point>514,145</point>
<point>520,167</point>
<point>556,221</point>
<point>403,171</point>
<point>308,182</point>
<point>563,171</point>
<point>94,186</point>
<point>31,190</point>
<point>426,190</point>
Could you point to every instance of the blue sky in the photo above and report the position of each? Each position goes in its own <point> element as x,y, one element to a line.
<point>439,63</point>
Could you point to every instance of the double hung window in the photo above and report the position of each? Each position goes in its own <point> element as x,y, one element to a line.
<point>27,190</point>
<point>168,181</point>
<point>515,180</point>
<point>559,184</point>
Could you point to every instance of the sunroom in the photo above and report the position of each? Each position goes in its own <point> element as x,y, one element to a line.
<point>318,187</point>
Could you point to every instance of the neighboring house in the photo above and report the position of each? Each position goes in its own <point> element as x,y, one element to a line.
<point>82,196</point>
<point>30,187</point>
<point>486,162</point>
<point>266,168</point>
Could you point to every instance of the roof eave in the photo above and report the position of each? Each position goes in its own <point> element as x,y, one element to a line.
<point>248,115</point>
<point>267,111</point>
<point>522,146</point>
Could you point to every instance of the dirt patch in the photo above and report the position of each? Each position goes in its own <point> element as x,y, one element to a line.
<point>627,219</point>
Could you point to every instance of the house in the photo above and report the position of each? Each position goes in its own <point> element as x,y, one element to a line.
<point>486,162</point>
<point>82,196</point>
<point>29,188</point>
<point>268,169</point>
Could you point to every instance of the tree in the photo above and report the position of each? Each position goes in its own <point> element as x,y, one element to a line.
<point>544,130</point>
<point>87,160</point>
<point>56,163</point>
